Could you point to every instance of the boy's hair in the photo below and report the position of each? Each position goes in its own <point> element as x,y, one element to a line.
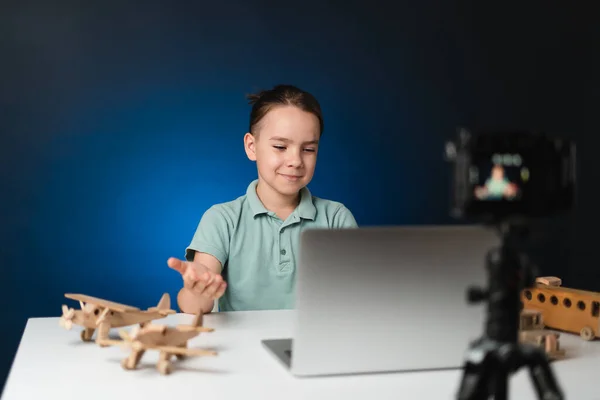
<point>282,95</point>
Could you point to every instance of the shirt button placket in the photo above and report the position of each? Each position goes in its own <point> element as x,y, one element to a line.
<point>284,258</point>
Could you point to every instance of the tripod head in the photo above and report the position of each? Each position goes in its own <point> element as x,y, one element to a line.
<point>509,272</point>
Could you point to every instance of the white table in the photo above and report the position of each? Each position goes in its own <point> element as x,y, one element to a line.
<point>52,363</point>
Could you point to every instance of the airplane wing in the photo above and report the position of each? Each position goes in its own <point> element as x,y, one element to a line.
<point>183,350</point>
<point>136,345</point>
<point>112,342</point>
<point>133,317</point>
<point>190,328</point>
<point>161,312</point>
<point>101,302</point>
<point>131,341</point>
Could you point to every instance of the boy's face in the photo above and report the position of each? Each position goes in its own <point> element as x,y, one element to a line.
<point>286,148</point>
<point>498,172</point>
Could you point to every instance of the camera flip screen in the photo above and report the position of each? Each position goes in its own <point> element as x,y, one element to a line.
<point>502,176</point>
<point>499,177</point>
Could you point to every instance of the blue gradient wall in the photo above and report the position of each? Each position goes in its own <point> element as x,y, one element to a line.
<point>121,125</point>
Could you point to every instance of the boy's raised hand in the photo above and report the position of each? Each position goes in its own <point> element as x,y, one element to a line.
<point>198,278</point>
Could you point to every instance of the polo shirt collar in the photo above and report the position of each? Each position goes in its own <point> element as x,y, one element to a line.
<point>306,208</point>
<point>256,205</point>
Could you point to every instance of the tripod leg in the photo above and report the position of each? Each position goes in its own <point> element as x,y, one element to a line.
<point>543,378</point>
<point>500,383</point>
<point>475,381</point>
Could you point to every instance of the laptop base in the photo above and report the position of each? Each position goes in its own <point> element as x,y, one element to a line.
<point>281,349</point>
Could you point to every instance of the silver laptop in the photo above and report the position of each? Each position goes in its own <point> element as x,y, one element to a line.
<point>385,299</point>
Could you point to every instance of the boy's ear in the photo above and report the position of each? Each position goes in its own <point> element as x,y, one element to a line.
<point>250,146</point>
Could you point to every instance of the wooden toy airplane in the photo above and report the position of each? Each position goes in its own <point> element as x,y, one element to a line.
<point>103,315</point>
<point>169,341</point>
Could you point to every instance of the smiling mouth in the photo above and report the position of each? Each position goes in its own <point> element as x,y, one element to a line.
<point>291,176</point>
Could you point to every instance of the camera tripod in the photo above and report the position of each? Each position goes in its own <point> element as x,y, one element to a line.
<point>491,359</point>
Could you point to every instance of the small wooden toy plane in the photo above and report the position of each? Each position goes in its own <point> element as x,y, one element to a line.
<point>103,315</point>
<point>169,341</point>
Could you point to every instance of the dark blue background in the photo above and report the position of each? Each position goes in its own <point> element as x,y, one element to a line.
<point>122,123</point>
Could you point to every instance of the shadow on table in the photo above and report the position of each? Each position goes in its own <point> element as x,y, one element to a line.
<point>178,366</point>
<point>76,341</point>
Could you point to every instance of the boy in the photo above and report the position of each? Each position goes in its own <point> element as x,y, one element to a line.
<point>244,251</point>
<point>497,186</point>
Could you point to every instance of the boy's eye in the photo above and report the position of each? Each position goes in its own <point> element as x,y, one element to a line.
<point>311,150</point>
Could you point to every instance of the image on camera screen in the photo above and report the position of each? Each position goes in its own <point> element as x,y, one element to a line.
<point>501,177</point>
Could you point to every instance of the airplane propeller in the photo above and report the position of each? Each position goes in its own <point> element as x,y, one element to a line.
<point>129,339</point>
<point>102,316</point>
<point>66,320</point>
<point>134,332</point>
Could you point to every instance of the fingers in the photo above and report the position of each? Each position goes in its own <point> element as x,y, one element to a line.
<point>178,265</point>
<point>221,290</point>
<point>208,284</point>
<point>191,279</point>
<point>201,281</point>
<point>215,288</point>
<point>187,272</point>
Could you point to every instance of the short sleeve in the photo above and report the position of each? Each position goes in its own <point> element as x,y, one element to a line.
<point>343,218</point>
<point>211,236</point>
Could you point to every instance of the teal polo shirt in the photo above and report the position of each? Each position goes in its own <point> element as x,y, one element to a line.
<point>258,250</point>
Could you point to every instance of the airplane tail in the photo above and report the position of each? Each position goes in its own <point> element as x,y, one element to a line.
<point>197,320</point>
<point>196,325</point>
<point>164,305</point>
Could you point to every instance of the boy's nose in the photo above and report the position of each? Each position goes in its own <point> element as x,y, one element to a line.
<point>294,161</point>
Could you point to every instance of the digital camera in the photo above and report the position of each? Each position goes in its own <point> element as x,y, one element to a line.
<point>511,175</point>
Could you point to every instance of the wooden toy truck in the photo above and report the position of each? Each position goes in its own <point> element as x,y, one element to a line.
<point>564,309</point>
